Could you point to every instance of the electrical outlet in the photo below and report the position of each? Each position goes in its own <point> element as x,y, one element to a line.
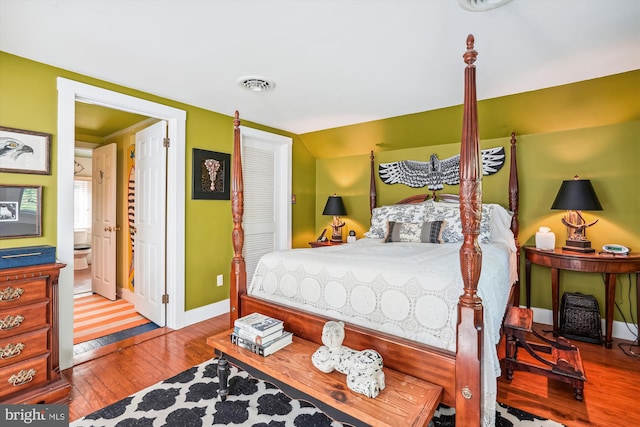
<point>220,280</point>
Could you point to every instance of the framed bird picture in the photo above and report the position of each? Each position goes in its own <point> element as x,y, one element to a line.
<point>24,151</point>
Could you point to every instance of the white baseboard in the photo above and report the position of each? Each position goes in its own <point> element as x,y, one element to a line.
<point>207,312</point>
<point>191,316</point>
<point>620,329</point>
<point>126,295</point>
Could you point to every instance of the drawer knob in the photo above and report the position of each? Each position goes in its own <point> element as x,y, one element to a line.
<point>22,377</point>
<point>11,322</point>
<point>10,294</point>
<point>11,350</point>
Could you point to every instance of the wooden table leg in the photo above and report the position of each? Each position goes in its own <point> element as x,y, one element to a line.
<point>555,296</point>
<point>527,268</point>
<point>609,298</point>
<point>223,377</point>
<point>638,300</point>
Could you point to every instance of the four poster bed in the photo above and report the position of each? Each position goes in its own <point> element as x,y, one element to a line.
<point>424,307</point>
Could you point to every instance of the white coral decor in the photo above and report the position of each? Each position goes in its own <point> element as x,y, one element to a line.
<point>362,368</point>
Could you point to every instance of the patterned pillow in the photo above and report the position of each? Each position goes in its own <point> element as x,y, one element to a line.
<point>450,213</point>
<point>401,213</point>
<point>426,232</point>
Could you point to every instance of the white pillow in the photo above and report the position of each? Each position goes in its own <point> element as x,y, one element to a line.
<point>450,212</point>
<point>413,213</point>
<point>501,227</point>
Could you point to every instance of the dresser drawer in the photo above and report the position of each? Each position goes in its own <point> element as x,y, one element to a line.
<point>16,320</point>
<point>21,376</point>
<point>21,292</point>
<point>21,347</point>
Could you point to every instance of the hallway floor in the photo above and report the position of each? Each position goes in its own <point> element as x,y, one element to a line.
<point>82,287</point>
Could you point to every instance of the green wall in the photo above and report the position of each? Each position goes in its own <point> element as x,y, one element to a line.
<point>588,129</point>
<point>598,102</point>
<point>28,100</point>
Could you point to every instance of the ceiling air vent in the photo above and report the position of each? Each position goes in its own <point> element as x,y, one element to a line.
<point>481,5</point>
<point>256,84</point>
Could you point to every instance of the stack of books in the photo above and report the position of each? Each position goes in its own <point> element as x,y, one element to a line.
<point>260,334</point>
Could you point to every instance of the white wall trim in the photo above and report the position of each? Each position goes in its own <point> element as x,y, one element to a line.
<point>620,330</point>
<point>283,150</point>
<point>69,92</point>
<point>207,312</point>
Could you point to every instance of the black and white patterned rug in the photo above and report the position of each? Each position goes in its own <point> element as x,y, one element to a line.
<point>190,399</point>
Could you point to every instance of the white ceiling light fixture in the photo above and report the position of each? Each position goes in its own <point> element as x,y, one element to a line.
<point>256,84</point>
<point>481,5</point>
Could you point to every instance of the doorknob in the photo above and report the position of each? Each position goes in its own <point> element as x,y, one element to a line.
<point>112,228</point>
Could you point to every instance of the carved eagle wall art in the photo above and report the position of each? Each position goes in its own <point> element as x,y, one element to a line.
<point>435,173</point>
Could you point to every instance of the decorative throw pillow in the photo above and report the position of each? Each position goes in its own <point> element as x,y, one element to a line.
<point>401,213</point>
<point>450,213</point>
<point>425,232</point>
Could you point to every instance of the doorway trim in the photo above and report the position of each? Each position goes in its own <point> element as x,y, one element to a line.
<point>70,91</point>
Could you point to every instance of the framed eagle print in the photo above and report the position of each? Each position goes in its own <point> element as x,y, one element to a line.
<point>24,151</point>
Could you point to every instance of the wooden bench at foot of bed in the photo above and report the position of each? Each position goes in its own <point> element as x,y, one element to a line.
<point>405,401</point>
<point>429,364</point>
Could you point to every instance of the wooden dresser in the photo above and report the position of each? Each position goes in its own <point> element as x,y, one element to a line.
<point>29,356</point>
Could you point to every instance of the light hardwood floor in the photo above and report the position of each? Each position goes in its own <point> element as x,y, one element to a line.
<point>611,390</point>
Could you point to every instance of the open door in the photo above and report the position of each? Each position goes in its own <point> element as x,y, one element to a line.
<point>103,230</point>
<point>149,284</point>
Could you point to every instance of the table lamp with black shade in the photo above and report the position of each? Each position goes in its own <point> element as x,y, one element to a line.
<point>575,196</point>
<point>335,207</point>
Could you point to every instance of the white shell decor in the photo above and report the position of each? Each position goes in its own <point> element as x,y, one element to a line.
<point>545,239</point>
<point>362,368</point>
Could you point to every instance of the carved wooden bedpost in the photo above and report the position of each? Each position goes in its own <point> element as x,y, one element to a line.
<point>238,285</point>
<point>372,186</point>
<point>514,206</point>
<point>470,331</point>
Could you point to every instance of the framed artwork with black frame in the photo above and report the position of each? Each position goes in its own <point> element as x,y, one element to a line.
<point>20,211</point>
<point>24,151</point>
<point>211,175</point>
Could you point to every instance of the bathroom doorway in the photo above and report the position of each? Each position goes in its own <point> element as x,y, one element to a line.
<point>104,314</point>
<point>82,216</point>
<point>69,92</point>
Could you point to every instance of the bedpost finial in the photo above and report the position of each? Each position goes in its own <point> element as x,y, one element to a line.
<point>470,55</point>
<point>470,41</point>
<point>237,115</point>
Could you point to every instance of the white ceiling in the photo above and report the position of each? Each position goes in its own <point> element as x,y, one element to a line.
<point>334,62</point>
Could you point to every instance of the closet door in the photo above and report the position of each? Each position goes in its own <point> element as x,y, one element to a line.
<point>266,169</point>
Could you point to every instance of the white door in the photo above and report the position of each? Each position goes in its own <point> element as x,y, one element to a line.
<point>266,169</point>
<point>104,228</point>
<point>150,216</point>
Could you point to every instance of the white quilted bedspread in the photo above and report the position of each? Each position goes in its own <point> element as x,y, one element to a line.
<point>406,289</point>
